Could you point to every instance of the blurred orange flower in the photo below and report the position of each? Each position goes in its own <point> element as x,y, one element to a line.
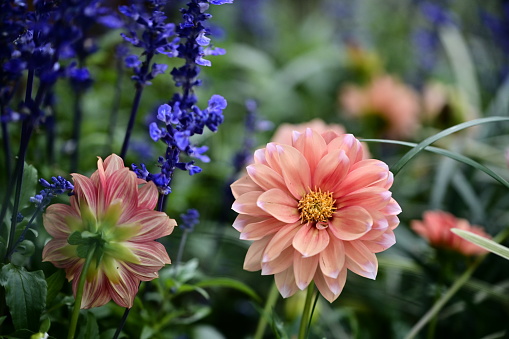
<point>396,105</point>
<point>436,228</point>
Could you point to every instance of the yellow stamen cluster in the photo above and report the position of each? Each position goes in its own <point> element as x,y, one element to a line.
<point>316,206</point>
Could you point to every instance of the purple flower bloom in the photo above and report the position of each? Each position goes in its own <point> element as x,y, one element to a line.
<point>189,219</point>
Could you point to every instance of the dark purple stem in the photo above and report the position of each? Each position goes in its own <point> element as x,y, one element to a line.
<point>76,131</point>
<point>7,148</point>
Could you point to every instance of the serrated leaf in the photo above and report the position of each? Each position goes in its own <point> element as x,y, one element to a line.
<point>485,243</point>
<point>230,283</point>
<point>25,295</point>
<point>55,283</point>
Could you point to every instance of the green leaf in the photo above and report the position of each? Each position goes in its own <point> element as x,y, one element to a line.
<point>485,243</point>
<point>452,155</point>
<point>428,141</point>
<point>55,283</point>
<point>28,186</point>
<point>230,283</point>
<point>75,238</point>
<point>190,288</point>
<point>89,329</point>
<point>25,295</point>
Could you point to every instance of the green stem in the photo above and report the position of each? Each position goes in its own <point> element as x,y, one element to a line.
<point>79,294</point>
<point>269,305</point>
<point>306,313</point>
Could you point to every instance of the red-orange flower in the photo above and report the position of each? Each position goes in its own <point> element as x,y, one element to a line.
<point>436,228</point>
<point>112,208</point>
<point>315,209</point>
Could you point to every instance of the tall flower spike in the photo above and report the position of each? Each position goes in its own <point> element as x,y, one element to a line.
<point>314,209</point>
<point>113,210</point>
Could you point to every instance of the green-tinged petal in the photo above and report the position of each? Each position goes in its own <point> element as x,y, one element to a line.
<point>120,252</point>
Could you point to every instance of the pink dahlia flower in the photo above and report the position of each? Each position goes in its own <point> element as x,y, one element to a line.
<point>436,228</point>
<point>113,208</point>
<point>314,209</point>
<point>283,134</point>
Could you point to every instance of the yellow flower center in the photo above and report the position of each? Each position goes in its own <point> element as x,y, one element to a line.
<point>316,206</point>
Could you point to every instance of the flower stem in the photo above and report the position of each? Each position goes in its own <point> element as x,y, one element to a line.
<point>132,118</point>
<point>79,294</point>
<point>122,323</point>
<point>76,130</point>
<point>269,305</point>
<point>181,250</point>
<point>306,313</point>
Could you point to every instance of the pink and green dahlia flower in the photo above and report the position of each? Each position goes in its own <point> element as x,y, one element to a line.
<point>113,211</point>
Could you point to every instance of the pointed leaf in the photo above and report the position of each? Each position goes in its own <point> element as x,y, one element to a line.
<point>485,243</point>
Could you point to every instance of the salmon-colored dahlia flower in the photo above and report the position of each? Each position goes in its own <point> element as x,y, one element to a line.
<point>315,209</point>
<point>113,209</point>
<point>283,134</point>
<point>436,228</point>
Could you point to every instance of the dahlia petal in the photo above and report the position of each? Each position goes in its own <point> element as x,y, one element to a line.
<point>152,256</point>
<point>310,241</point>
<point>350,223</point>
<point>147,196</point>
<point>329,135</point>
<point>360,260</point>
<point>312,146</point>
<point>380,226</point>
<point>95,291</point>
<point>247,204</point>
<point>260,229</point>
<point>154,225</point>
<point>383,242</point>
<point>259,156</point>
<point>265,177</point>
<point>281,263</point>
<point>244,185</point>
<point>243,220</point>
<point>349,144</point>
<point>280,241</point>
<point>304,269</point>
<point>370,198</point>
<point>279,204</point>
<point>331,170</point>
<point>121,185</point>
<point>56,220</point>
<point>254,255</point>
<point>85,190</point>
<point>285,282</point>
<point>295,169</point>
<point>392,208</point>
<point>272,157</point>
<point>99,177</point>
<point>363,174</point>
<point>112,164</point>
<point>330,288</point>
<point>393,221</point>
<point>332,259</point>
<point>124,292</point>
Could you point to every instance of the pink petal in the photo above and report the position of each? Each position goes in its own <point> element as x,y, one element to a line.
<point>295,169</point>
<point>272,157</point>
<point>349,144</point>
<point>331,170</point>
<point>121,185</point>
<point>380,226</point>
<point>281,263</point>
<point>350,223</point>
<point>247,204</point>
<point>99,177</point>
<point>85,191</point>
<point>95,292</point>
<point>304,269</point>
<point>280,205</point>
<point>244,185</point>
<point>310,241</point>
<point>370,198</point>
<point>124,292</point>
<point>329,135</point>
<point>254,255</point>
<point>152,257</point>
<point>280,241</point>
<point>360,260</point>
<point>285,282</point>
<point>312,146</point>
<point>332,259</point>
<point>381,243</point>
<point>330,288</point>
<point>243,220</point>
<point>260,229</point>
<point>392,208</point>
<point>112,164</point>
<point>147,196</point>
<point>265,177</point>
<point>56,218</point>
<point>154,225</point>
<point>363,174</point>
